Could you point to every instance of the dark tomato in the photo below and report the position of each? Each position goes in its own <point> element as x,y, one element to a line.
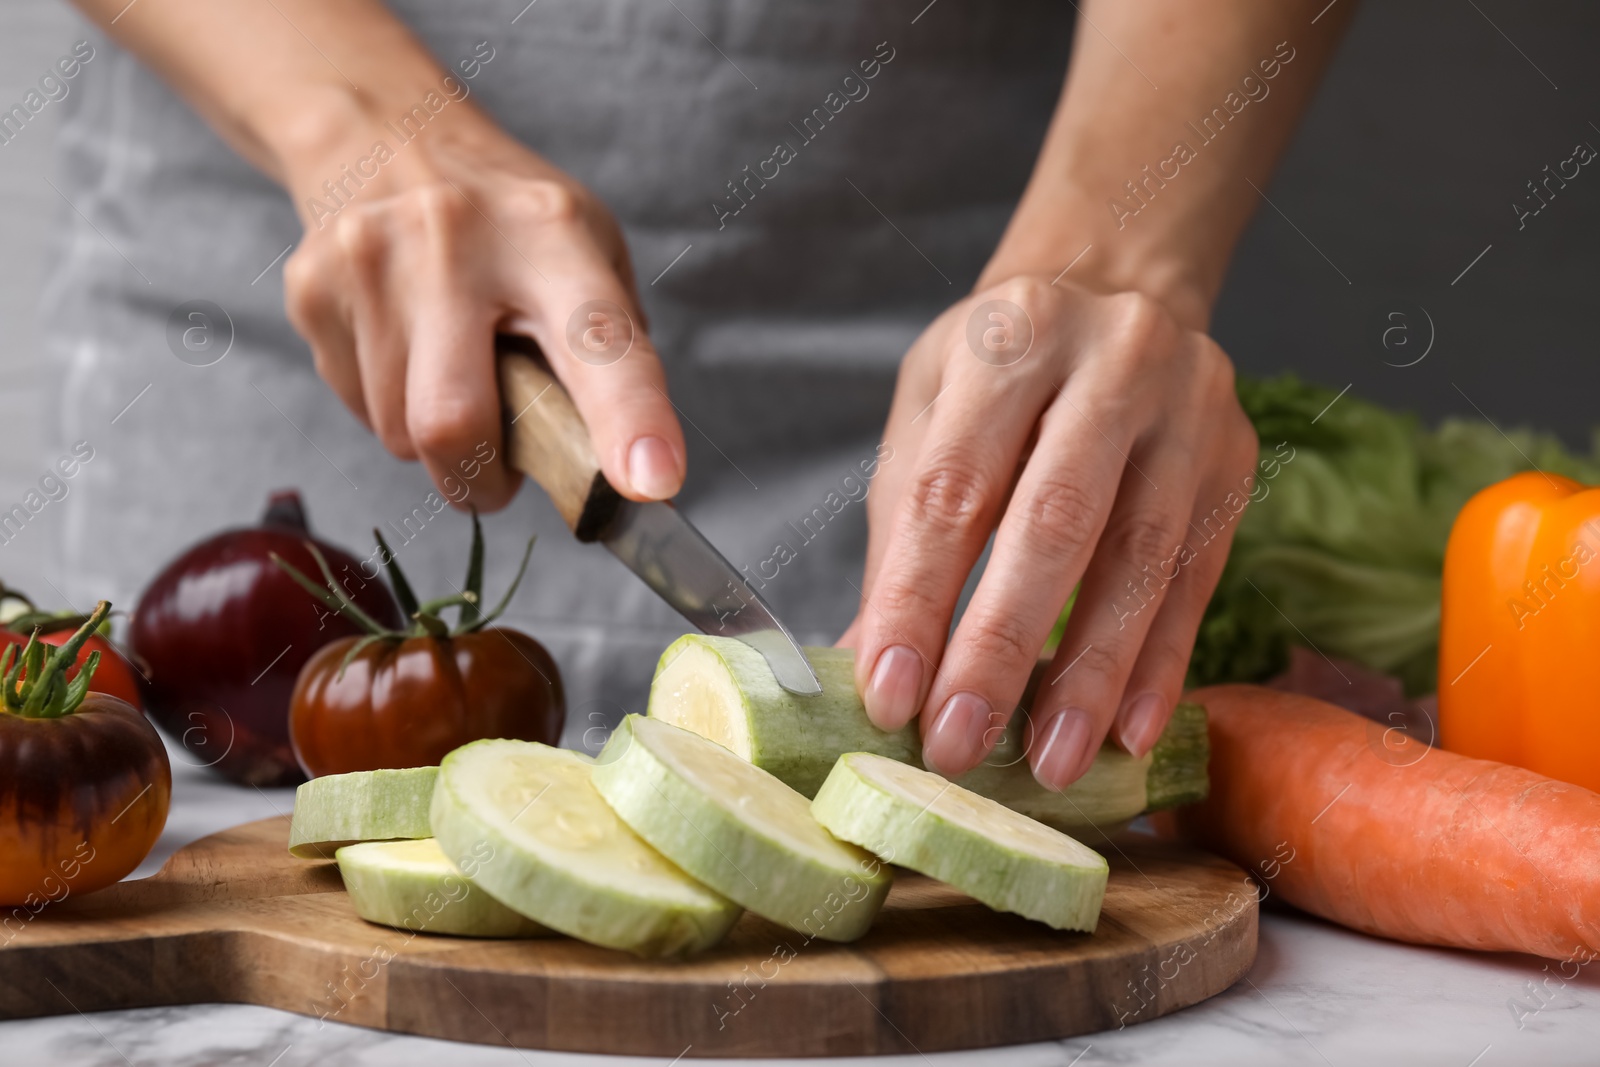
<point>405,703</point>
<point>83,798</point>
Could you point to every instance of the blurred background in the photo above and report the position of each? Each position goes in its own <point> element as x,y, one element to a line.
<point>1396,198</point>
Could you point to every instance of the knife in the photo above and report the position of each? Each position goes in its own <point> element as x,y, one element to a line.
<point>547,440</point>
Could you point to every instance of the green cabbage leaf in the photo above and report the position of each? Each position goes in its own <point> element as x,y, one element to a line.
<point>1342,548</point>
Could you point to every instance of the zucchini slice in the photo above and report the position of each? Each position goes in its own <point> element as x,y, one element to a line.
<point>739,830</point>
<point>343,809</point>
<point>551,849</point>
<point>412,886</point>
<point>995,855</point>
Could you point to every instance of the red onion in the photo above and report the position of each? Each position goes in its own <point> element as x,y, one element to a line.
<point>222,632</point>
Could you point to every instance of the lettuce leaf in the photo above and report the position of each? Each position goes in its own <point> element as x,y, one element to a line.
<point>1342,549</point>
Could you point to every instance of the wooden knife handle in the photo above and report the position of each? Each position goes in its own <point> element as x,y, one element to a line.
<point>546,439</point>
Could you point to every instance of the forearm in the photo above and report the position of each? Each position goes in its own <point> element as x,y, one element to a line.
<point>1172,108</point>
<point>290,84</point>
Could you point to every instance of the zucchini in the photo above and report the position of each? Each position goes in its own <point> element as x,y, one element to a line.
<point>1178,761</point>
<point>343,809</point>
<point>560,856</point>
<point>1000,857</point>
<point>412,886</point>
<point>739,830</point>
<point>722,689</point>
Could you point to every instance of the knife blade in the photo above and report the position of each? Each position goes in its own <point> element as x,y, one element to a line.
<point>546,439</point>
<point>662,547</point>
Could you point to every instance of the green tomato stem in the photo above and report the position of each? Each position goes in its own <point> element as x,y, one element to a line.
<point>35,684</point>
<point>471,611</point>
<point>397,577</point>
<point>424,616</point>
<point>505,601</point>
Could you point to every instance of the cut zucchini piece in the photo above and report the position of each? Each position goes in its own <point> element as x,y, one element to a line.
<point>739,830</point>
<point>558,854</point>
<point>1108,796</point>
<point>1178,760</point>
<point>995,855</point>
<point>343,809</point>
<point>411,885</point>
<point>722,689</point>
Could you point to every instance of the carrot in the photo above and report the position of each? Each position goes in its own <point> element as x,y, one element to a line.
<point>1398,840</point>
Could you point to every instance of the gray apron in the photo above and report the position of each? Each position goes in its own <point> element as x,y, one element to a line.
<point>781,304</point>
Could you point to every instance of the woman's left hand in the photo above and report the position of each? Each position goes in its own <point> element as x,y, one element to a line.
<point>1101,443</point>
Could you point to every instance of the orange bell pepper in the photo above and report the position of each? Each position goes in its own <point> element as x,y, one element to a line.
<point>1519,637</point>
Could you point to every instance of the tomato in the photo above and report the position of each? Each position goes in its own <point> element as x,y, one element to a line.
<point>83,798</point>
<point>407,702</point>
<point>405,698</point>
<point>85,785</point>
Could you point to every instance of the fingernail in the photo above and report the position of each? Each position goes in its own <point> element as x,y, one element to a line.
<point>1139,725</point>
<point>954,744</point>
<point>653,469</point>
<point>895,690</point>
<point>1065,753</point>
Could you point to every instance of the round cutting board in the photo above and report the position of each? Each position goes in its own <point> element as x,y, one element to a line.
<point>235,918</point>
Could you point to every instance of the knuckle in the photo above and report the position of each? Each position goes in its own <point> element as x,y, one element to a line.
<point>1032,298</point>
<point>1145,539</point>
<point>952,499</point>
<point>439,427</point>
<point>1057,517</point>
<point>361,236</point>
<point>1139,326</point>
<point>1167,657</point>
<point>1099,661</point>
<point>1215,378</point>
<point>1003,638</point>
<point>302,270</point>
<point>307,296</point>
<point>1027,291</point>
<point>439,208</point>
<point>547,201</point>
<point>905,601</point>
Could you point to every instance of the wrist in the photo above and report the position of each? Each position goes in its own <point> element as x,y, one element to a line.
<point>347,138</point>
<point>1069,238</point>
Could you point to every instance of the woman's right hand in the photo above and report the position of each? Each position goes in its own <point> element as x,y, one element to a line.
<point>415,255</point>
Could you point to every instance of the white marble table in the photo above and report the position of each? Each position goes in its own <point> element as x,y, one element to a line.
<point>1317,995</point>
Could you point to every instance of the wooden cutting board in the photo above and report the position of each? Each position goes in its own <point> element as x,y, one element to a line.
<point>235,918</point>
